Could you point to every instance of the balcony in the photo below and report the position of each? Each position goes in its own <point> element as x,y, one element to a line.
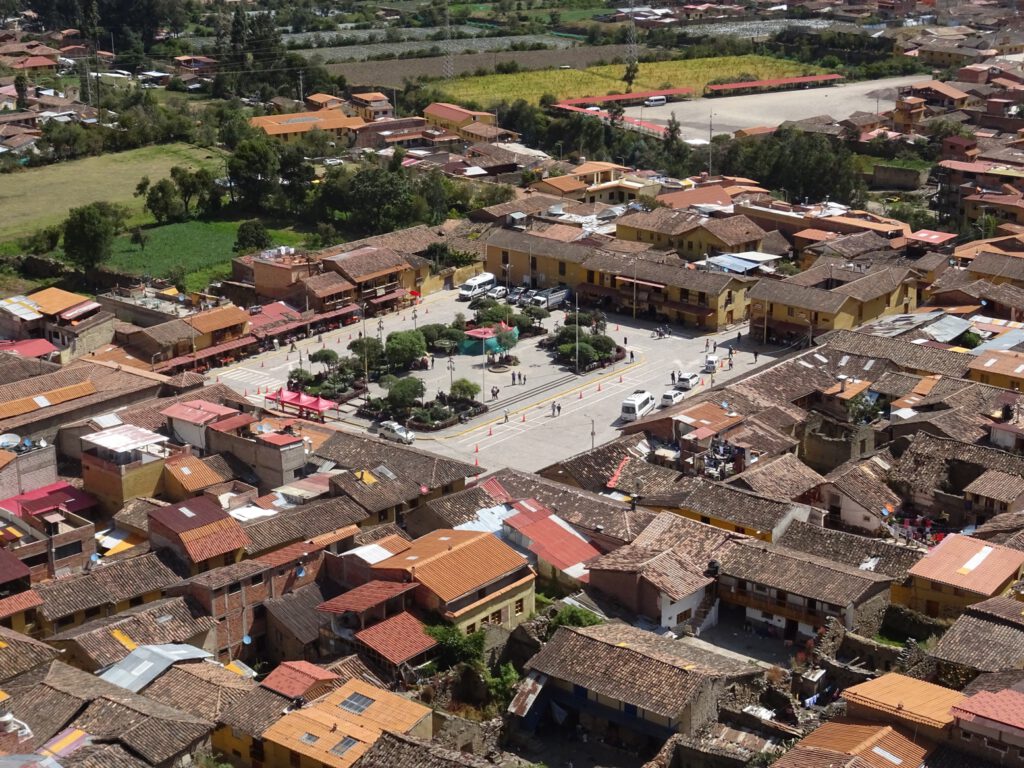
<point>775,606</point>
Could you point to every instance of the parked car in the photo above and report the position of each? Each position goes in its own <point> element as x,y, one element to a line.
<point>672,397</point>
<point>498,292</point>
<point>687,381</point>
<point>526,297</point>
<point>514,294</point>
<point>392,430</point>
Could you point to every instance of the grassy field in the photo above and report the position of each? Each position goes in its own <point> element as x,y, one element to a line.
<point>38,197</point>
<point>202,248</point>
<point>600,81</point>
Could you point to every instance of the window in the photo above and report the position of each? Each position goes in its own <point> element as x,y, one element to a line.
<point>629,710</point>
<point>471,629</point>
<point>504,257</point>
<point>73,548</point>
<point>767,616</point>
<point>533,263</point>
<point>92,613</point>
<point>579,691</point>
<point>137,600</point>
<point>382,516</point>
<point>936,586</point>
<point>561,269</point>
<point>356,703</point>
<point>294,759</point>
<point>495,618</point>
<point>257,579</point>
<point>233,588</point>
<point>519,607</point>
<point>789,311</point>
<point>740,529</point>
<point>590,276</point>
<point>309,738</point>
<point>702,299</point>
<point>343,746</point>
<point>706,520</point>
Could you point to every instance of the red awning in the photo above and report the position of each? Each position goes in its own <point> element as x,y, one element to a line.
<point>203,354</point>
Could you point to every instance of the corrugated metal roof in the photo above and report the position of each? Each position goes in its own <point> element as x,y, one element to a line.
<point>147,662</point>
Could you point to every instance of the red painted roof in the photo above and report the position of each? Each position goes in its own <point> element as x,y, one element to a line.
<point>1005,707</point>
<point>197,412</point>
<point>551,539</point>
<point>279,438</point>
<point>27,347</point>
<point>22,601</point>
<point>776,82</point>
<point>366,596</point>
<point>59,495</point>
<point>289,554</point>
<point>11,568</point>
<point>397,639</point>
<point>931,237</point>
<point>295,678</point>
<point>232,423</point>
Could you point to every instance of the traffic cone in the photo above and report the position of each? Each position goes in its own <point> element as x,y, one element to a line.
<point>616,326</point>
<point>523,419</point>
<point>218,379</point>
<point>581,395</point>
<point>263,364</point>
<point>620,378</point>
<point>490,431</point>
<point>599,386</point>
<point>476,448</point>
<point>476,462</point>
<point>702,381</point>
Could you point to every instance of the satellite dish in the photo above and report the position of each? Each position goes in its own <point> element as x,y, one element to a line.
<point>246,640</point>
<point>10,440</point>
<point>300,571</point>
<point>95,557</point>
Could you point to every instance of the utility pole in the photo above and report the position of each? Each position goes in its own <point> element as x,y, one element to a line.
<point>711,134</point>
<point>302,92</point>
<point>577,297</point>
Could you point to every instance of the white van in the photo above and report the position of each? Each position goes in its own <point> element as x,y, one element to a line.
<point>637,405</point>
<point>476,286</point>
<point>655,101</point>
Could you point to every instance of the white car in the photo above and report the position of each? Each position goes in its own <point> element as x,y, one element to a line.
<point>687,381</point>
<point>392,430</point>
<point>672,397</point>
<point>498,292</point>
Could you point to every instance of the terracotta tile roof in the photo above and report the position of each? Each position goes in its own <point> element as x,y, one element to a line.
<point>664,221</point>
<point>398,638</point>
<point>907,355</point>
<point>988,636</point>
<point>378,534</point>
<point>758,562</point>
<point>851,549</point>
<point>105,585</point>
<point>100,643</point>
<point>1006,708</point>
<point>295,678</point>
<point>873,743</point>
<point>295,612</point>
<point>135,513</point>
<point>148,413</point>
<point>723,502</point>
<point>218,319</point>
<point>365,596</point>
<point>783,478</point>
<point>20,653</point>
<point>302,523</point>
<point>393,749</point>
<point>255,711</point>
<point>453,563</point>
<point>633,666</point>
<point>217,538</point>
<point>15,368</point>
<point>993,484</point>
<point>101,756</point>
<point>327,284</point>
<point>215,578</point>
<point>192,473</point>
<point>348,667</point>
<point>62,697</point>
<point>863,481</point>
<point>734,230</point>
<point>799,296</point>
<point>199,688</point>
<point>619,464</point>
<point>367,263</point>
<point>906,698</point>
<point>970,564</point>
<point>292,553</point>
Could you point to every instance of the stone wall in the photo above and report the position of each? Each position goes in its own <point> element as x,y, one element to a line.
<point>900,621</point>
<point>467,736</point>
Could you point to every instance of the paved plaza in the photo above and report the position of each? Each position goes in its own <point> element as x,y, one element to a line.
<point>533,437</point>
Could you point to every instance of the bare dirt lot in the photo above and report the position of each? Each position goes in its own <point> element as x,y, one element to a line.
<point>732,113</point>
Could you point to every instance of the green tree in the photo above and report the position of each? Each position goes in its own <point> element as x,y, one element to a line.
<point>252,236</point>
<point>507,339</point>
<point>327,357</point>
<point>464,389</point>
<point>253,169</point>
<point>163,201</point>
<point>190,184</point>
<point>89,233</point>
<point>573,616</point>
<point>369,351</point>
<point>21,91</point>
<point>454,647</point>
<point>404,348</point>
<point>140,237</point>
<point>380,200</point>
<point>404,393</point>
<point>630,75</point>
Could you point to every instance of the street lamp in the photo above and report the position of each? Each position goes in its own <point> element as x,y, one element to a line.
<point>415,314</point>
<point>380,330</point>
<point>451,373</point>
<point>366,361</point>
<point>591,434</point>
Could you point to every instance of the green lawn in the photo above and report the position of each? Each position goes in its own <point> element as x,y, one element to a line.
<point>600,81</point>
<point>39,197</point>
<point>203,248</point>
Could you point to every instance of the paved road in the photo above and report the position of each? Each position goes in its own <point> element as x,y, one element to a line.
<point>532,438</point>
<point>734,112</point>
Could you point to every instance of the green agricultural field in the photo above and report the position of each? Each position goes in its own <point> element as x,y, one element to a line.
<point>39,197</point>
<point>202,248</point>
<point>600,81</point>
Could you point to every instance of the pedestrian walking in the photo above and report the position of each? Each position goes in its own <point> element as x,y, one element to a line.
<point>552,410</point>
<point>730,362</point>
<point>432,361</point>
<point>506,415</point>
<point>730,353</point>
<point>497,393</point>
<point>513,378</point>
<point>755,356</point>
<point>673,375</point>
<point>707,344</point>
<point>631,355</point>
<point>714,346</point>
<point>558,409</point>
<point>625,341</point>
<point>522,379</point>
<point>739,335</point>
